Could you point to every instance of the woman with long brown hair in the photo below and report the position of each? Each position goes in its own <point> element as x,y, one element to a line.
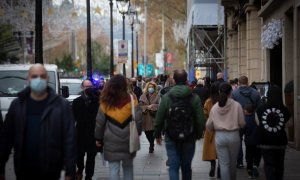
<point>112,126</point>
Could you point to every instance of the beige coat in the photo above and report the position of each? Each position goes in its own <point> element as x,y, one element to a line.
<point>148,113</point>
<point>209,146</point>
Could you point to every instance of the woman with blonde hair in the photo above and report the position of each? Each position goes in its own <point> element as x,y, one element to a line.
<point>149,101</point>
<point>112,126</point>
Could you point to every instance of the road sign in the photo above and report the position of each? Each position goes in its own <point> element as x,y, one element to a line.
<point>149,70</point>
<point>122,51</point>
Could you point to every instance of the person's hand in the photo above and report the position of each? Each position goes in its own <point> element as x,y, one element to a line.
<point>158,140</point>
<point>68,178</point>
<point>2,177</point>
<point>150,106</point>
<point>98,143</point>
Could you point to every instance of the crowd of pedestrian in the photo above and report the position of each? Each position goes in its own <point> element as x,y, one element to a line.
<point>48,135</point>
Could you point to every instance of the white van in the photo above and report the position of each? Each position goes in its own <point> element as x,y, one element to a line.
<point>13,79</point>
<point>74,85</point>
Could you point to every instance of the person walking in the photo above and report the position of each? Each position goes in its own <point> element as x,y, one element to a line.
<point>40,127</point>
<point>209,146</point>
<point>201,91</point>
<point>149,103</point>
<point>85,109</point>
<point>245,94</point>
<point>136,90</point>
<point>219,80</point>
<point>180,114</point>
<point>251,131</point>
<point>112,126</point>
<point>273,116</point>
<point>226,118</point>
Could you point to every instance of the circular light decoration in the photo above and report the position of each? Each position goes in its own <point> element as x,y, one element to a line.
<point>273,120</point>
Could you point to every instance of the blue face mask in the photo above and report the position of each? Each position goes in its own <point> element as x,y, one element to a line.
<point>38,85</point>
<point>151,90</point>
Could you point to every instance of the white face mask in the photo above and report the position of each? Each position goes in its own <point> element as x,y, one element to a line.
<point>151,90</point>
<point>38,85</point>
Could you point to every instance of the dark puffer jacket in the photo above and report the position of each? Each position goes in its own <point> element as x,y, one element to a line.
<point>57,135</point>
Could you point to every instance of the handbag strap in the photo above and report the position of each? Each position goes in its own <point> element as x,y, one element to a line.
<point>132,108</point>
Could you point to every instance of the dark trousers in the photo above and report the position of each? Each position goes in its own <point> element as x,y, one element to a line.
<point>253,156</point>
<point>241,154</point>
<point>37,176</point>
<point>149,135</point>
<point>273,163</point>
<point>89,164</point>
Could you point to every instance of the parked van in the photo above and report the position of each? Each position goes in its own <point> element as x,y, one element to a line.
<point>13,79</point>
<point>74,85</point>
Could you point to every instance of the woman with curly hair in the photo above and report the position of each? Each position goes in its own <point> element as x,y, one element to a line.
<point>112,126</point>
<point>149,101</point>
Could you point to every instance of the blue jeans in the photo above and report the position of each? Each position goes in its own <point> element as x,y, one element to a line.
<point>114,169</point>
<point>180,154</point>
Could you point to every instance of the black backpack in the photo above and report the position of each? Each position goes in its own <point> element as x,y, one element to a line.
<point>180,118</point>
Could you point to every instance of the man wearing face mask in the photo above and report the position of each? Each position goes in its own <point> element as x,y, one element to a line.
<point>137,90</point>
<point>40,127</point>
<point>85,109</point>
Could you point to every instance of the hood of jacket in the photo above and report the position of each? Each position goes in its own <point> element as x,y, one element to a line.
<point>120,113</point>
<point>226,108</point>
<point>181,91</point>
<point>245,90</point>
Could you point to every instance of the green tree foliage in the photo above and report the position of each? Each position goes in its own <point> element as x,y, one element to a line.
<point>66,63</point>
<point>8,44</point>
<point>100,59</point>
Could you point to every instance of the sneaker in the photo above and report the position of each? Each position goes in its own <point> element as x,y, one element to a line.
<point>250,174</point>
<point>255,171</point>
<point>240,166</point>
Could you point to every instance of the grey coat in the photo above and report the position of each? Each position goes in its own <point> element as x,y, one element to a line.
<point>115,137</point>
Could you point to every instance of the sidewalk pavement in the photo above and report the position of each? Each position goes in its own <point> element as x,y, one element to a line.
<point>153,166</point>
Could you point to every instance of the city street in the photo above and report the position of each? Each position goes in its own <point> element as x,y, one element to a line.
<point>153,166</point>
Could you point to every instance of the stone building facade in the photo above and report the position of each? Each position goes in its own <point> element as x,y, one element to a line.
<point>245,21</point>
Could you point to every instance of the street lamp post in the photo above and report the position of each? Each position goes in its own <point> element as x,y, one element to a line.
<point>111,40</point>
<point>88,41</point>
<point>132,13</point>
<point>38,32</point>
<point>137,29</point>
<point>122,6</point>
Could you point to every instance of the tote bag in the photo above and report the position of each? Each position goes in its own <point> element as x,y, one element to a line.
<point>134,139</point>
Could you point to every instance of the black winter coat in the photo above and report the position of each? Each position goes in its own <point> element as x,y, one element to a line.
<point>272,121</point>
<point>57,135</point>
<point>202,92</point>
<point>85,111</point>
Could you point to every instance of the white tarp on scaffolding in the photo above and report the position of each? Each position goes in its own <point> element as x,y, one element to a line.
<point>204,12</point>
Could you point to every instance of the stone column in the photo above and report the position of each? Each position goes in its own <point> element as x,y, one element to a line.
<point>232,44</point>
<point>233,54</point>
<point>242,50</point>
<point>254,58</point>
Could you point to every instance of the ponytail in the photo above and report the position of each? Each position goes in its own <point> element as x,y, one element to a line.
<point>225,89</point>
<point>222,99</point>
